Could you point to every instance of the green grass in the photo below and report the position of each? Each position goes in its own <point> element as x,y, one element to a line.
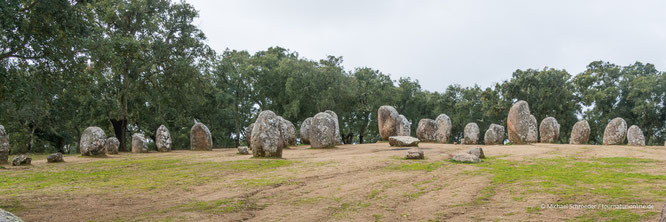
<point>347,208</point>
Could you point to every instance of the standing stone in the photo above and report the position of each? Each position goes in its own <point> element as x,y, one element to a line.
<point>163,139</point>
<point>404,126</point>
<point>200,138</point>
<point>287,132</point>
<point>111,145</point>
<point>266,137</point>
<point>580,133</point>
<point>338,137</point>
<point>6,216</point>
<point>387,119</point>
<point>520,124</point>
<point>549,130</point>
<point>494,135</point>
<point>615,132</point>
<point>635,136</point>
<point>248,135</point>
<point>426,130</point>
<point>4,146</point>
<point>139,143</point>
<point>322,131</point>
<point>403,141</point>
<point>471,134</point>
<point>22,160</point>
<point>305,129</point>
<point>55,158</point>
<point>533,133</point>
<point>443,132</point>
<point>92,142</point>
<point>415,154</point>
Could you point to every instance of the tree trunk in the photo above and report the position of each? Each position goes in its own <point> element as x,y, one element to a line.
<point>119,128</point>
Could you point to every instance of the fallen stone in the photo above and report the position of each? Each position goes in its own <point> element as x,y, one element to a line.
<point>55,158</point>
<point>466,158</point>
<point>243,150</point>
<point>21,160</point>
<point>403,141</point>
<point>478,152</point>
<point>414,154</point>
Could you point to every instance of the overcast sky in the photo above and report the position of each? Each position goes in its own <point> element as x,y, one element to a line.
<point>445,42</point>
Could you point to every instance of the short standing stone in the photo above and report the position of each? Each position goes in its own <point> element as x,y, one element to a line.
<point>580,133</point>
<point>266,136</point>
<point>471,134</point>
<point>404,126</point>
<point>520,124</point>
<point>21,160</point>
<point>287,132</point>
<point>403,141</point>
<point>4,145</point>
<point>533,133</point>
<point>387,118</point>
<point>139,143</point>
<point>615,132</point>
<point>305,129</point>
<point>6,216</point>
<point>414,154</point>
<point>200,138</point>
<point>248,135</point>
<point>494,135</point>
<point>443,128</point>
<point>243,150</point>
<point>163,139</point>
<point>92,142</point>
<point>322,131</point>
<point>111,145</point>
<point>338,137</point>
<point>466,158</point>
<point>55,158</point>
<point>478,152</point>
<point>549,130</point>
<point>426,130</point>
<point>635,136</point>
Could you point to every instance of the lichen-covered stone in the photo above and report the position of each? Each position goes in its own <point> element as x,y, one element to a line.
<point>635,136</point>
<point>111,145</point>
<point>426,130</point>
<point>338,137</point>
<point>139,143</point>
<point>471,134</point>
<point>55,158</point>
<point>494,135</point>
<point>267,140</point>
<point>404,127</point>
<point>322,131</point>
<point>248,135</point>
<point>549,130</point>
<point>466,158</point>
<point>163,139</point>
<point>6,216</point>
<point>243,150</point>
<point>521,125</point>
<point>387,118</point>
<point>414,154</point>
<point>200,138</point>
<point>580,133</point>
<point>615,132</point>
<point>403,141</point>
<point>478,152</point>
<point>4,146</point>
<point>443,128</point>
<point>21,160</point>
<point>287,132</point>
<point>92,142</point>
<point>305,129</point>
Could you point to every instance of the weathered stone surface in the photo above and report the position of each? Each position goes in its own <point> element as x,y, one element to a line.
<point>387,120</point>
<point>111,145</point>
<point>6,216</point>
<point>139,143</point>
<point>55,158</point>
<point>414,154</point>
<point>549,130</point>
<point>443,128</point>
<point>662,218</point>
<point>305,129</point>
<point>200,138</point>
<point>338,137</point>
<point>477,151</point>
<point>403,141</point>
<point>635,136</point>
<point>287,132</point>
<point>471,134</point>
<point>322,131</point>
<point>494,135</point>
<point>580,132</point>
<point>163,139</point>
<point>92,142</point>
<point>404,127</point>
<point>266,137</point>
<point>615,132</point>
<point>243,150</point>
<point>4,146</point>
<point>248,135</point>
<point>21,160</point>
<point>466,158</point>
<point>521,125</point>
<point>426,130</point>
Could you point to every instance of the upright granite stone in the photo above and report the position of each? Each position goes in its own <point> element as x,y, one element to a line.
<point>426,130</point>
<point>403,141</point>
<point>267,140</point>
<point>322,131</point>
<point>92,142</point>
<point>248,135</point>
<point>139,143</point>
<point>4,146</point>
<point>163,139</point>
<point>635,136</point>
<point>338,137</point>
<point>580,133</point>
<point>200,138</point>
<point>387,120</point>
<point>533,133</point>
<point>305,129</point>
<point>287,132</point>
<point>521,125</point>
<point>549,130</point>
<point>404,126</point>
<point>615,132</point>
<point>22,160</point>
<point>111,145</point>
<point>494,135</point>
<point>55,158</point>
<point>443,132</point>
<point>471,134</point>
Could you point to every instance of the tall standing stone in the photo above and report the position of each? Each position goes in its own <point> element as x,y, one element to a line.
<point>521,125</point>
<point>163,139</point>
<point>471,134</point>
<point>549,130</point>
<point>635,136</point>
<point>494,135</point>
<point>287,132</point>
<point>4,146</point>
<point>92,142</point>
<point>443,132</point>
<point>266,136</point>
<point>139,143</point>
<point>404,126</point>
<point>426,130</point>
<point>338,137</point>
<point>615,132</point>
<point>580,133</point>
<point>322,131</point>
<point>533,133</point>
<point>387,119</point>
<point>248,135</point>
<point>111,145</point>
<point>200,138</point>
<point>304,130</point>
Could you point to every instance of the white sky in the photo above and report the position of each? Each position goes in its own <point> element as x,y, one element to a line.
<point>444,42</point>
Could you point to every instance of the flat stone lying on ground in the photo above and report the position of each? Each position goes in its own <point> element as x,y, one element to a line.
<point>477,151</point>
<point>415,154</point>
<point>22,160</point>
<point>243,150</point>
<point>55,158</point>
<point>403,141</point>
<point>466,158</point>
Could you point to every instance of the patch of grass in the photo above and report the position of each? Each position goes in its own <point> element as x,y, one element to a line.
<point>13,206</point>
<point>374,193</point>
<point>346,208</point>
<point>378,217</point>
<point>422,166</point>
<point>220,206</point>
<point>615,215</point>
